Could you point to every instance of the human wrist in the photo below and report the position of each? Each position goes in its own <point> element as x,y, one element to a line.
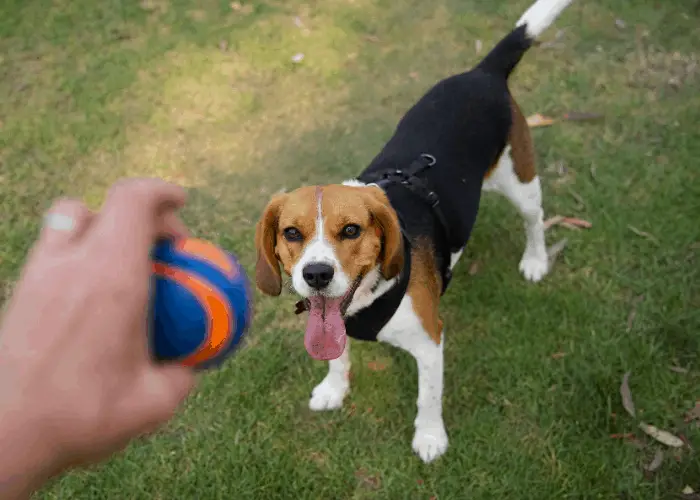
<point>26,458</point>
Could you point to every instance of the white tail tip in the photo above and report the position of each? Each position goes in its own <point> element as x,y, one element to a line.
<point>541,15</point>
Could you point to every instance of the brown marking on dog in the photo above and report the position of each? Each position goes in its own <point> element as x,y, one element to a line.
<point>267,269</point>
<point>424,289</point>
<point>522,150</point>
<point>378,240</point>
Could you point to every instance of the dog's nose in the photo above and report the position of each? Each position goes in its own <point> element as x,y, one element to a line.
<point>318,275</point>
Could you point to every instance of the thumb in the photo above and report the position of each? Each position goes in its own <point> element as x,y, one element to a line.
<point>157,395</point>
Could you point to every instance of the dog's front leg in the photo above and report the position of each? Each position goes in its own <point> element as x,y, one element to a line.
<point>430,439</point>
<point>406,332</point>
<point>329,394</point>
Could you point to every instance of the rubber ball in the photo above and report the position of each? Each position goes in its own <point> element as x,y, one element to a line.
<point>201,303</point>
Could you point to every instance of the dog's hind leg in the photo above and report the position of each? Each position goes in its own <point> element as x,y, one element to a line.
<point>514,176</point>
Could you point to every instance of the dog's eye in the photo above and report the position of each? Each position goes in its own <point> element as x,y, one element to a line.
<point>292,234</point>
<point>351,231</point>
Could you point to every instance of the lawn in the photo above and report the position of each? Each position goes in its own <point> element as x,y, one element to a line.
<point>216,96</point>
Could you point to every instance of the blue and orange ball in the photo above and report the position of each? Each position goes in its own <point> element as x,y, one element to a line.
<point>201,303</point>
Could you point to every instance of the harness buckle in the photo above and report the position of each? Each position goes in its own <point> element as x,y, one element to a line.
<point>431,159</point>
<point>433,199</point>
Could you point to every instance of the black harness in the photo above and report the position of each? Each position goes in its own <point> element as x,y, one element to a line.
<point>409,179</point>
<point>368,322</point>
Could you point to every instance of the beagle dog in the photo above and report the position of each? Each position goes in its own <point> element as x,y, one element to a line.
<point>371,257</point>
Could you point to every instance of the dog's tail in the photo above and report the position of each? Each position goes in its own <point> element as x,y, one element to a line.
<point>506,55</point>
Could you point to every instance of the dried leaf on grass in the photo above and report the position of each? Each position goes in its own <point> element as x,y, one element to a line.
<point>661,435</point>
<point>626,394</point>
<point>577,116</point>
<point>678,369</point>
<point>626,435</point>
<point>688,492</point>
<point>656,461</point>
<point>553,221</point>
<point>538,120</point>
<point>577,222</point>
<point>569,222</point>
<point>474,268</point>
<point>644,234</point>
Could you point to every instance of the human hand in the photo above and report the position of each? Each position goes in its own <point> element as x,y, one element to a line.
<point>77,381</point>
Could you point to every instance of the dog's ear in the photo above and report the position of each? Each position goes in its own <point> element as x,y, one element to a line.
<point>392,242</point>
<point>267,268</point>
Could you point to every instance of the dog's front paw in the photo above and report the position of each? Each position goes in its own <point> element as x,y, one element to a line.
<point>329,394</point>
<point>533,267</point>
<point>430,442</point>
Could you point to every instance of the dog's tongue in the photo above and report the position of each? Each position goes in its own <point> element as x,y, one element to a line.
<point>325,331</point>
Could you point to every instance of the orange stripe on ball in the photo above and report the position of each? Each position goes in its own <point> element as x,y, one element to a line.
<point>216,308</point>
<point>203,250</point>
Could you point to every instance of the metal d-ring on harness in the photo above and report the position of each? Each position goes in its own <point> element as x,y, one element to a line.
<point>409,179</point>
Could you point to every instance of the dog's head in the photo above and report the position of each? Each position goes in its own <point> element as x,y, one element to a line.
<point>327,238</point>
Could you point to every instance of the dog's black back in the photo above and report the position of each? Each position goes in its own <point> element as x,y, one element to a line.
<point>464,122</point>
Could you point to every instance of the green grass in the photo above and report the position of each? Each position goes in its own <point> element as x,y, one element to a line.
<point>207,95</point>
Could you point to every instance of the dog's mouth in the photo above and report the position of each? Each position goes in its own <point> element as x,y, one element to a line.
<point>325,335</point>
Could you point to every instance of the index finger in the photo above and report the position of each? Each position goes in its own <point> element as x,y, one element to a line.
<point>128,221</point>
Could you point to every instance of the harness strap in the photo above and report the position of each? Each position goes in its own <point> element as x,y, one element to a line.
<point>409,179</point>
